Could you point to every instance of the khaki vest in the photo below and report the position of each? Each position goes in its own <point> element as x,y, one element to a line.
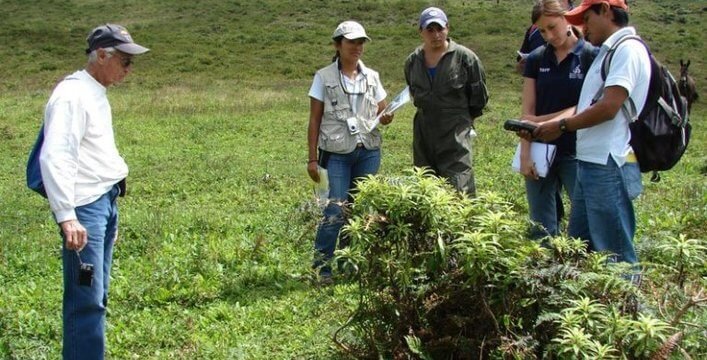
<point>334,135</point>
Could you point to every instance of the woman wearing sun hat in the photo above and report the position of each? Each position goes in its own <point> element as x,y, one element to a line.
<point>345,98</point>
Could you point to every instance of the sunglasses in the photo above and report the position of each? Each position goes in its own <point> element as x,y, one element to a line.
<point>125,60</point>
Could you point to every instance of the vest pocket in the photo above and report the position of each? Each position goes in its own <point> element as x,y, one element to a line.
<point>373,140</point>
<point>334,137</point>
<point>336,102</point>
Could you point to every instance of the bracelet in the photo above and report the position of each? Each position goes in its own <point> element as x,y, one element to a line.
<point>311,161</point>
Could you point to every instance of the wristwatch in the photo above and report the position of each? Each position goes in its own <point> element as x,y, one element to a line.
<point>563,125</point>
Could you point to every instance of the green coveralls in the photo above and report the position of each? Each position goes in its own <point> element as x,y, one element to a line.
<point>446,108</point>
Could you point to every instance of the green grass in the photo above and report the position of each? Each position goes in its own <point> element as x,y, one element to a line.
<point>217,230</point>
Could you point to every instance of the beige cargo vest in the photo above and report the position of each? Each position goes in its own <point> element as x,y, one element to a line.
<point>334,135</point>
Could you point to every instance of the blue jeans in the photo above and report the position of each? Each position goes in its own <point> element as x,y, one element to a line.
<point>84,307</point>
<point>632,175</point>
<point>542,199</point>
<point>602,212</point>
<point>343,171</point>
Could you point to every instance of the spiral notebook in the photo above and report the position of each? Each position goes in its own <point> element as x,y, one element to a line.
<point>542,155</point>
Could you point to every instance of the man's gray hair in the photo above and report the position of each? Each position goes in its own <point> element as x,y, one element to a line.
<point>93,55</point>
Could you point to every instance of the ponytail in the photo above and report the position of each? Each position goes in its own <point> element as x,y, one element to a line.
<point>337,40</point>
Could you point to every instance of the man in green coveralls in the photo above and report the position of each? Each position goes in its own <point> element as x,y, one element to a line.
<point>448,86</point>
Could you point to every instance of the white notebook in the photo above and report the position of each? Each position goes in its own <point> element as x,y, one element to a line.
<point>541,154</point>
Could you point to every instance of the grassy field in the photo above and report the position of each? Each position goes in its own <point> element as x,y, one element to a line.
<point>217,230</point>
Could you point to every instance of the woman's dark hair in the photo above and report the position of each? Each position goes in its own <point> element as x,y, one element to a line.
<point>620,15</point>
<point>337,40</point>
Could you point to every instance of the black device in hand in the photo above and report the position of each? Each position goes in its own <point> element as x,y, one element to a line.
<point>85,272</point>
<point>517,125</point>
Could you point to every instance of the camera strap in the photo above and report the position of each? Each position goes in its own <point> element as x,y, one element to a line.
<point>78,256</point>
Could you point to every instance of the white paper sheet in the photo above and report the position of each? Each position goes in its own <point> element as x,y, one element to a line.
<point>541,154</point>
<point>398,101</point>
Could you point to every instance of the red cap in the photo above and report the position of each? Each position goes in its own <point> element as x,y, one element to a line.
<point>576,15</point>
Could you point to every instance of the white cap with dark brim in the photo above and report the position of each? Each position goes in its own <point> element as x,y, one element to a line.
<point>350,30</point>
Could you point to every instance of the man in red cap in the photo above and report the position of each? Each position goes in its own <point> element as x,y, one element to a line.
<point>602,212</point>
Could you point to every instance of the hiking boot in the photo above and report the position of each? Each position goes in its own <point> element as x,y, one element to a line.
<point>326,280</point>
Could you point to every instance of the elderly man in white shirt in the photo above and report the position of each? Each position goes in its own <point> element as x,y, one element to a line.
<point>83,174</point>
<point>602,212</point>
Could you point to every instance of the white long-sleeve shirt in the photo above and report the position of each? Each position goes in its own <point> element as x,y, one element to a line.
<point>79,159</point>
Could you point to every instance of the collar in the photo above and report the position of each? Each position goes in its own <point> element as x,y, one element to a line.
<point>88,79</point>
<point>362,69</point>
<point>628,30</point>
<point>576,49</point>
<point>451,48</point>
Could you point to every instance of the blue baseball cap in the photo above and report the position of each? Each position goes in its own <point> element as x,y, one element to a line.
<point>433,15</point>
<point>112,35</point>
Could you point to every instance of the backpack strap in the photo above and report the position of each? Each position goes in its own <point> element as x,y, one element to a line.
<point>610,54</point>
<point>34,170</point>
<point>628,108</point>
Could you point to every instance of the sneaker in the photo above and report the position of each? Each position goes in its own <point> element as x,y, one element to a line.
<point>326,280</point>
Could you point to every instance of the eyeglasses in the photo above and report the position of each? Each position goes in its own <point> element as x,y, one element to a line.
<point>125,60</point>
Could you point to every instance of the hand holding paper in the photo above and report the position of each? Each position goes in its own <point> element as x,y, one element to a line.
<point>401,99</point>
<point>542,155</point>
<point>385,118</point>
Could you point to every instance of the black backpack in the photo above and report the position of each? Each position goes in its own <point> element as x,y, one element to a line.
<point>661,132</point>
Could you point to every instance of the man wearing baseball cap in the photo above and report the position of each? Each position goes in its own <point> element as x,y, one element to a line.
<point>602,212</point>
<point>448,86</point>
<point>83,175</point>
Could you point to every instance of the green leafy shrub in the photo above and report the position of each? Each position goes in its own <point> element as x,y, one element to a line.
<point>443,276</point>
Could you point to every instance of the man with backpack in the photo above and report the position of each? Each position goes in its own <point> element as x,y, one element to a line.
<point>82,175</point>
<point>602,212</point>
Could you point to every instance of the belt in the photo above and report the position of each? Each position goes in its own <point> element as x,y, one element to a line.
<point>359,145</point>
<point>631,158</point>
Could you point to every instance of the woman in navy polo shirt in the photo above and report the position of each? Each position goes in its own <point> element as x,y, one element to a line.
<point>553,78</point>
